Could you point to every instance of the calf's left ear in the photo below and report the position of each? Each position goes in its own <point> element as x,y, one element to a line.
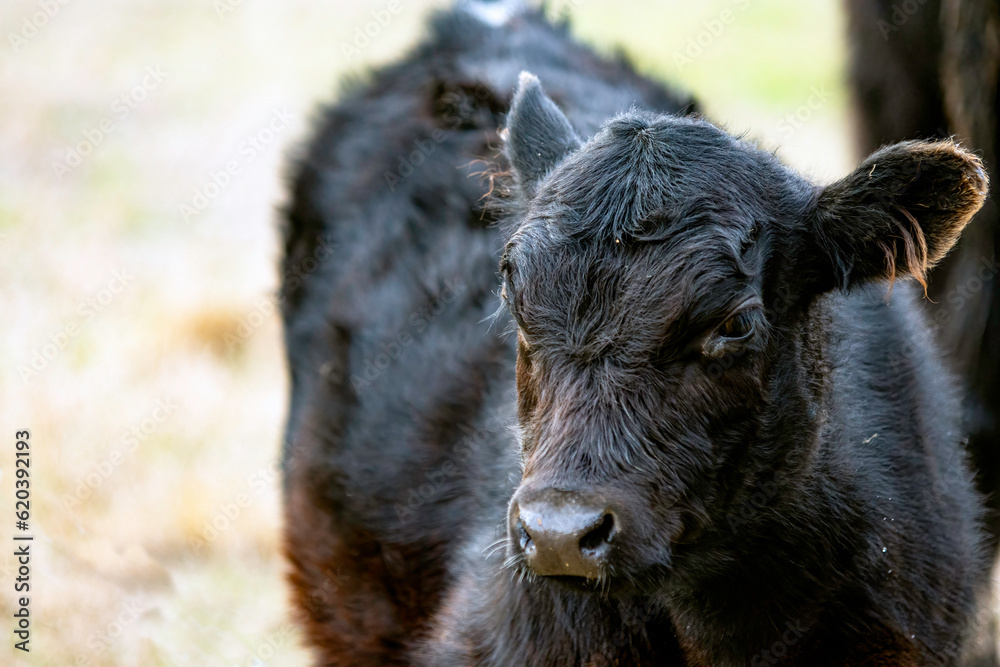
<point>538,134</point>
<point>899,213</point>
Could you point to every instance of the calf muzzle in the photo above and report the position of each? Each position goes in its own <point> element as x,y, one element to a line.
<point>562,533</point>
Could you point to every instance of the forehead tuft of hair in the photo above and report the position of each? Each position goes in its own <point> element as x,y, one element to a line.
<point>642,170</point>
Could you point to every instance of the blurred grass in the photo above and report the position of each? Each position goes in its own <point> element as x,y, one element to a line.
<point>750,64</point>
<point>131,549</point>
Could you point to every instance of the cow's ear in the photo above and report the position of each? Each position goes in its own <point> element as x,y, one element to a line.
<point>898,214</point>
<point>538,134</point>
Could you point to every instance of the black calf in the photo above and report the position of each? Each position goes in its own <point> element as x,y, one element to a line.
<point>709,459</point>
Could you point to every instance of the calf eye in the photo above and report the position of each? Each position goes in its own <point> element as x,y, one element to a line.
<point>734,334</point>
<point>737,327</point>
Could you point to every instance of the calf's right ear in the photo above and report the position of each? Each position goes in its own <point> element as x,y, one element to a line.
<point>538,134</point>
<point>898,214</point>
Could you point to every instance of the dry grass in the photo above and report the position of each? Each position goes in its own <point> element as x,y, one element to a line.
<point>128,568</point>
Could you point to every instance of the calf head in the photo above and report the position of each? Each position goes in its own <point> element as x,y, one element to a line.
<point>656,274</point>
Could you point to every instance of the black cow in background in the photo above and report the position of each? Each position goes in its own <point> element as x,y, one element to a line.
<point>677,442</point>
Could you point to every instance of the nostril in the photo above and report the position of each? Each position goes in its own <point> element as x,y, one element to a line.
<point>600,536</point>
<point>523,538</point>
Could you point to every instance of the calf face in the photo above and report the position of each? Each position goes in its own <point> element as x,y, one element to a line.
<point>654,273</point>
